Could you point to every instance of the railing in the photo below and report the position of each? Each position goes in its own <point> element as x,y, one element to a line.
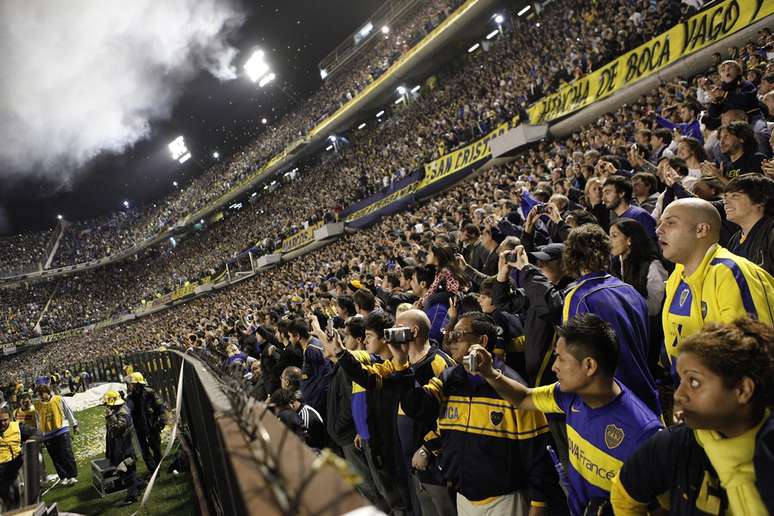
<point>244,460</point>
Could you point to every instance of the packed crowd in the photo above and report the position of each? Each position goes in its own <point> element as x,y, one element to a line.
<point>497,85</point>
<point>591,39</point>
<point>624,271</point>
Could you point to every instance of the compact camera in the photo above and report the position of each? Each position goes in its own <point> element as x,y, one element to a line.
<point>470,362</point>
<point>399,335</point>
<point>511,257</point>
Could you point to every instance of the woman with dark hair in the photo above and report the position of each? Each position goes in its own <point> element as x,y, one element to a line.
<point>636,261</point>
<point>692,152</point>
<point>450,276</point>
<point>720,459</point>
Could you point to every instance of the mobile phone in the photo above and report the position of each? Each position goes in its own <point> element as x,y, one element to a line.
<point>330,331</point>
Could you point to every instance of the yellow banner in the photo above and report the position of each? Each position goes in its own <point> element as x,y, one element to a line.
<point>385,201</point>
<point>697,32</point>
<point>300,239</point>
<point>461,158</point>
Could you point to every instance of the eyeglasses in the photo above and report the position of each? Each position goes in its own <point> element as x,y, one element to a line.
<point>456,335</point>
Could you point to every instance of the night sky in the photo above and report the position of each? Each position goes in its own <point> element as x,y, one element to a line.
<point>211,115</point>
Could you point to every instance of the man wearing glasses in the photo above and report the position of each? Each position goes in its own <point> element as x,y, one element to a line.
<point>492,454</point>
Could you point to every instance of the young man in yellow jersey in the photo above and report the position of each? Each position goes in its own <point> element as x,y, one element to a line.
<point>709,283</point>
<point>54,421</point>
<point>26,414</point>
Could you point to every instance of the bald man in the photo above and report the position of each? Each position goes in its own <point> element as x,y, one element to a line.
<point>709,283</point>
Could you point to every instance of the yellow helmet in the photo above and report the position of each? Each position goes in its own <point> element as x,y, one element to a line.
<point>137,377</point>
<point>112,399</point>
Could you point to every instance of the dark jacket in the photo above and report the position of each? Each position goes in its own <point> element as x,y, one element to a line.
<point>539,303</point>
<point>758,247</point>
<point>147,410</point>
<point>118,439</point>
<point>487,447</point>
<point>391,300</point>
<point>341,427</point>
<point>672,461</point>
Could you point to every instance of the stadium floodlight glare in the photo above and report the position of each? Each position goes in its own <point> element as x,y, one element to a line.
<point>216,154</point>
<point>524,10</point>
<point>366,30</point>
<point>537,24</point>
<point>256,67</point>
<point>473,48</point>
<point>266,80</point>
<point>126,204</point>
<point>380,113</point>
<point>499,19</point>
<point>492,34</point>
<point>263,121</point>
<point>179,150</point>
<point>329,147</point>
<point>361,125</point>
<point>323,73</point>
<point>253,194</point>
<point>59,217</point>
<point>400,99</point>
<point>174,183</point>
<point>385,29</point>
<point>201,221</point>
<point>415,88</point>
<point>401,90</point>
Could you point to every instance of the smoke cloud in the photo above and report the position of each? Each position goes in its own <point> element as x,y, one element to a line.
<point>87,77</point>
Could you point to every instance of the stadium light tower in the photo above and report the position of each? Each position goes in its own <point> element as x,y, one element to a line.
<point>179,150</point>
<point>258,70</point>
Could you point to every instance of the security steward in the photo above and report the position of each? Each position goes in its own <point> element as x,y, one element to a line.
<point>12,435</point>
<point>148,415</point>
<point>26,414</point>
<point>119,449</point>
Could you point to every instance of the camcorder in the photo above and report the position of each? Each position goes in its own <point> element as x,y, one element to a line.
<point>399,335</point>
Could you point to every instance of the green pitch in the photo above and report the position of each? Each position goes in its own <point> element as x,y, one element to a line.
<point>171,496</point>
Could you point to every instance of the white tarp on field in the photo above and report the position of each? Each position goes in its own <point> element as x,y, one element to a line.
<point>92,397</point>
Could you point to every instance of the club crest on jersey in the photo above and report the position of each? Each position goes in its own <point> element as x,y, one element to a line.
<point>496,417</point>
<point>704,309</point>
<point>684,296</point>
<point>614,436</point>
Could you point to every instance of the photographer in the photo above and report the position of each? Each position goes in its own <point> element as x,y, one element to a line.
<point>492,454</point>
<point>119,449</point>
<point>605,421</point>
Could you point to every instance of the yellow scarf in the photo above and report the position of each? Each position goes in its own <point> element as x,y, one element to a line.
<point>733,461</point>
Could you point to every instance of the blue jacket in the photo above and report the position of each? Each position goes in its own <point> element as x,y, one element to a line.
<point>436,308</point>
<point>626,311</point>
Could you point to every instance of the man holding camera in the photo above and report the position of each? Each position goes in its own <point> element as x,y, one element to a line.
<point>493,455</point>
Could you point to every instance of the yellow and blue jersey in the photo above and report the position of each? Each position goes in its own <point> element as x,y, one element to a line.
<point>724,288</point>
<point>599,439</point>
<point>621,306</point>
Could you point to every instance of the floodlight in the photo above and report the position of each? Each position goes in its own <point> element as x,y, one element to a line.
<point>266,80</point>
<point>400,99</point>
<point>323,73</point>
<point>332,137</point>
<point>216,154</point>
<point>401,90</point>
<point>263,121</point>
<point>329,147</point>
<point>201,221</point>
<point>179,150</point>
<point>537,24</point>
<point>126,204</point>
<point>524,10</point>
<point>256,67</point>
<point>59,217</point>
<point>473,48</point>
<point>366,30</point>
<point>361,125</point>
<point>174,183</point>
<point>380,113</point>
<point>492,34</point>
<point>415,88</point>
<point>499,19</point>
<point>385,29</point>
